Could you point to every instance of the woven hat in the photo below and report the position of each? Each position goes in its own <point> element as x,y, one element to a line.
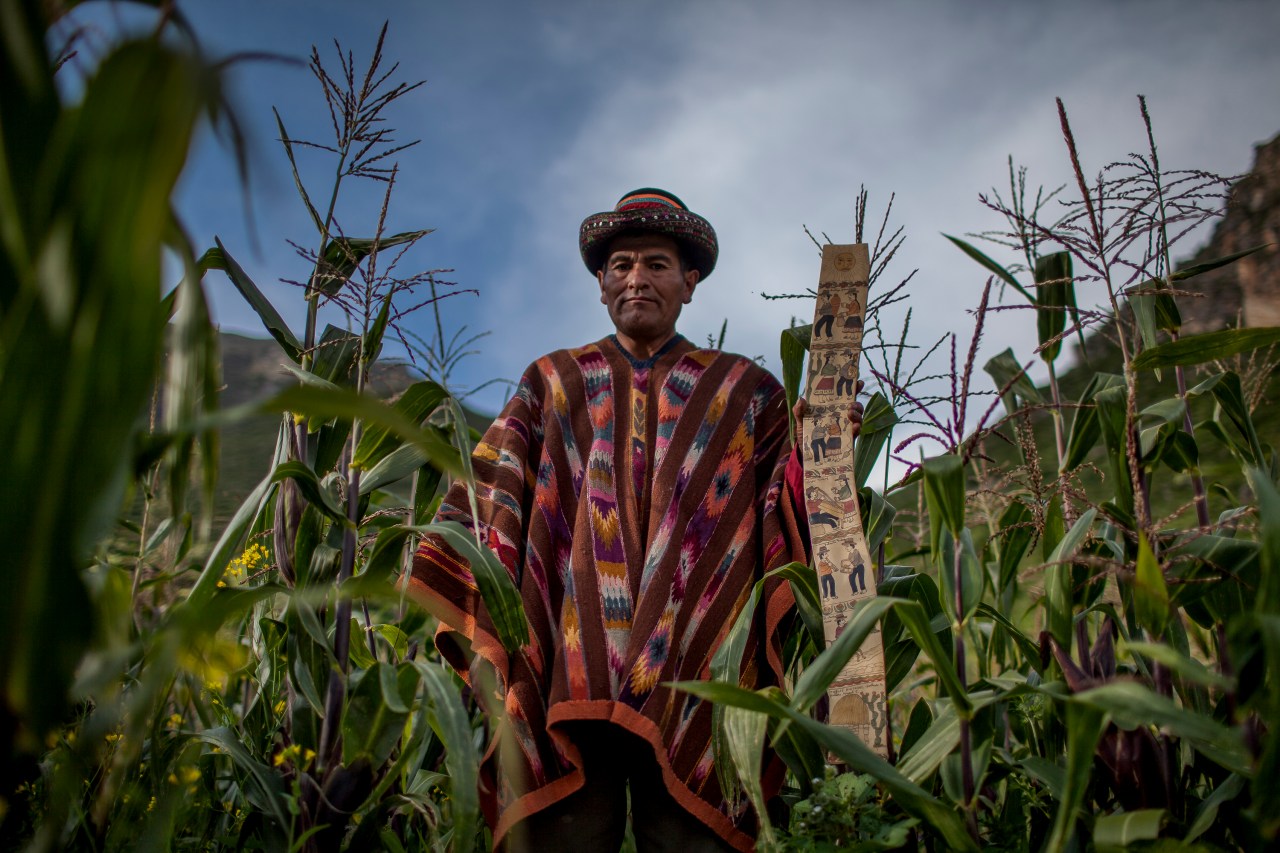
<point>654,210</point>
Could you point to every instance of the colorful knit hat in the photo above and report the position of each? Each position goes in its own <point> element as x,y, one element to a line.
<point>653,210</point>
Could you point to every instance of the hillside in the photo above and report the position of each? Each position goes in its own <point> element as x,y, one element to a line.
<point>253,369</point>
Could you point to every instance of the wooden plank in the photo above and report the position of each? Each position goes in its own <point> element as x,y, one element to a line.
<point>846,571</point>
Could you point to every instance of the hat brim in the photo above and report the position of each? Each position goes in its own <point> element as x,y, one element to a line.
<point>694,234</point>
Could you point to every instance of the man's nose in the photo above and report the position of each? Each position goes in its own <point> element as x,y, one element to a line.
<point>637,278</point>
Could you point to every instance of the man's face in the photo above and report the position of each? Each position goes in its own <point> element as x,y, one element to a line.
<point>642,286</point>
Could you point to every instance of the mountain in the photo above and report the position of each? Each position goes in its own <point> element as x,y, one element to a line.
<point>253,370</point>
<point>1246,293</point>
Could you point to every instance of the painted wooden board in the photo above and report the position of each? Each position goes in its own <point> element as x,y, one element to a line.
<point>846,572</point>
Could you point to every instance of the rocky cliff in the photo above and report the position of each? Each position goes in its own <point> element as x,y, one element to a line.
<point>1247,292</point>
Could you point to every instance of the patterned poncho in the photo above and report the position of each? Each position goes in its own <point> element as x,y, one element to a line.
<point>635,504</point>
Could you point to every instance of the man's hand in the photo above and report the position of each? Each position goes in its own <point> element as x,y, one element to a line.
<point>854,414</point>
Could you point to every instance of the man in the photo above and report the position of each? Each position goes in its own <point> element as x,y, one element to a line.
<point>635,488</point>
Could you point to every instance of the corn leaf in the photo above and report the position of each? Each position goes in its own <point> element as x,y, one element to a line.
<point>1206,347</point>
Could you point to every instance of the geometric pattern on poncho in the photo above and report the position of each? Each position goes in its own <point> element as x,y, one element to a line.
<point>634,505</point>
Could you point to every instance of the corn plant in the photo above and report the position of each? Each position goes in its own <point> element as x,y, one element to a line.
<point>171,682</point>
<point>1068,667</point>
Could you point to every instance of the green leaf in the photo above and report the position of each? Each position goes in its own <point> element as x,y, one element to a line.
<point>1059,598</point>
<point>1111,405</point>
<point>424,489</point>
<point>324,404</point>
<point>917,724</point>
<point>392,468</point>
<point>359,653</point>
<point>452,725</point>
<point>376,711</point>
<point>916,621</point>
<point>726,663</point>
<point>1196,269</point>
<point>1015,533</point>
<point>267,790</point>
<point>228,544</point>
<point>497,588</point>
<point>1055,295</point>
<point>1206,347</point>
<point>220,258</point>
<point>944,493</point>
<point>1012,381</point>
<point>991,265</point>
<point>1143,304</point>
<point>803,581</point>
<point>958,564</point>
<point>1150,593</point>
<point>1053,776</point>
<point>911,797</point>
<point>793,346</point>
<point>877,517</point>
<point>1175,449</point>
<point>372,346</point>
<point>305,682</point>
<point>878,421</point>
<point>1229,395</point>
<point>1181,664</point>
<point>342,255</point>
<point>1169,411</point>
<point>387,555</point>
<point>85,213</point>
<point>1207,813</point>
<point>1155,308</point>
<point>336,356</point>
<point>815,679</point>
<point>1030,651</point>
<point>309,484</point>
<point>1121,829</point>
<point>1268,600</point>
<point>1086,427</point>
<point>901,654</point>
<point>744,733</point>
<point>935,744</point>
<point>1233,562</point>
<point>417,402</point>
<point>797,748</point>
<point>297,179</point>
<point>1084,728</point>
<point>1132,705</point>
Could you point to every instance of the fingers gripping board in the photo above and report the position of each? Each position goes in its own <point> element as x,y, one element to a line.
<point>846,572</point>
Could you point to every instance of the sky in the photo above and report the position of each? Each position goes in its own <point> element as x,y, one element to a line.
<point>763,117</point>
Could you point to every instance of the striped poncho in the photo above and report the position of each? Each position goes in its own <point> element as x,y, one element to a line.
<point>635,504</point>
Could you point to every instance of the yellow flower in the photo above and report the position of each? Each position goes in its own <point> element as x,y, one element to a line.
<point>278,759</point>
<point>279,708</point>
<point>173,779</point>
<point>112,737</point>
<point>190,774</point>
<point>175,720</point>
<point>151,805</point>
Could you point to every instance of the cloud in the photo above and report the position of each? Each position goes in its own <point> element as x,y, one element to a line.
<point>768,117</point>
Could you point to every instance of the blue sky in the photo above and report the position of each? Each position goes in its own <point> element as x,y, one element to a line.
<point>764,117</point>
